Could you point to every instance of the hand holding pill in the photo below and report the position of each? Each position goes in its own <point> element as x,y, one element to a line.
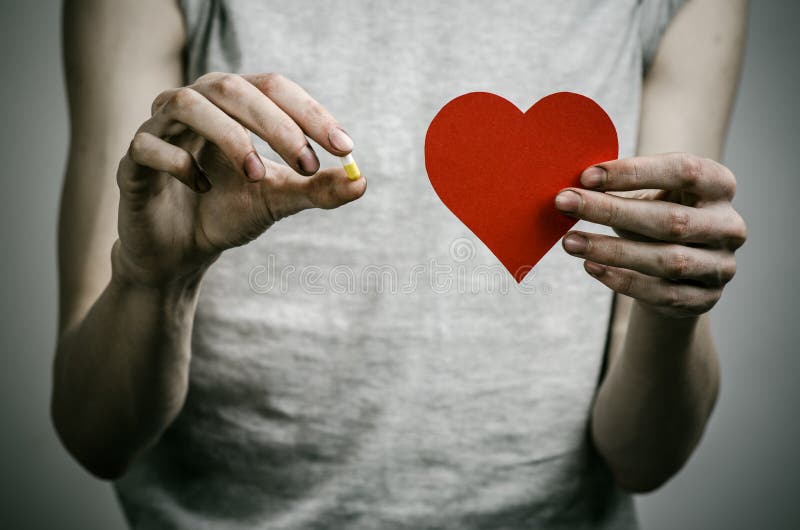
<point>197,146</point>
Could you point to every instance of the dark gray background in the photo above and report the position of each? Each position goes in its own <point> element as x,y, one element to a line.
<point>745,475</point>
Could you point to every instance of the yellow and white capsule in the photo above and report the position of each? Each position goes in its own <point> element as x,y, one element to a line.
<point>350,166</point>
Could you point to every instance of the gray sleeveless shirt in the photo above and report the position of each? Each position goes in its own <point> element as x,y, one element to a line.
<point>374,366</point>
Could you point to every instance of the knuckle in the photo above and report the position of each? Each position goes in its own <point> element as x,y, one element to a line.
<point>611,211</point>
<point>629,169</point>
<point>673,297</point>
<point>182,99</point>
<point>688,302</point>
<point>690,169</point>
<point>708,301</point>
<point>183,164</point>
<point>208,77</point>
<point>736,233</point>
<point>729,182</point>
<point>678,224</point>
<point>122,181</point>
<point>289,133</point>
<point>159,101</point>
<point>272,81</point>
<point>677,264</point>
<point>227,85</point>
<point>624,282</point>
<point>138,145</point>
<point>726,270</point>
<point>616,253</point>
<point>237,138</point>
<point>125,162</point>
<point>634,171</point>
<point>314,186</point>
<point>126,168</point>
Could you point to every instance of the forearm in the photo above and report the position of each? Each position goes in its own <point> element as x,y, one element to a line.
<point>121,371</point>
<point>654,402</point>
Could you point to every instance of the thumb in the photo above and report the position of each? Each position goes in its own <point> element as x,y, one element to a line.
<point>287,192</point>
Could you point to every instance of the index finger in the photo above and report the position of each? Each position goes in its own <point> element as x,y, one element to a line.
<point>310,115</point>
<point>672,171</point>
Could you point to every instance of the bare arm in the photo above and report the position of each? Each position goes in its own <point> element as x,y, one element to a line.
<point>663,375</point>
<point>131,262</point>
<point>118,55</point>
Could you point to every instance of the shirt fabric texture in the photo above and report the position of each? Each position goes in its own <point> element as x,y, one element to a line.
<point>337,379</point>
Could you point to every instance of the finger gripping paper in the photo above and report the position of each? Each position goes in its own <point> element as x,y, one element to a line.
<point>499,169</point>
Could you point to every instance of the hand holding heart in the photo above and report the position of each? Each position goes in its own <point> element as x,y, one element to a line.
<point>498,169</point>
<point>678,229</point>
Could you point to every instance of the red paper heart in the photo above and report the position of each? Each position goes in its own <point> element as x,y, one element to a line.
<point>498,170</point>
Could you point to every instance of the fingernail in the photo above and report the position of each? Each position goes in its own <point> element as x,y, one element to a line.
<point>202,183</point>
<point>568,201</point>
<point>253,167</point>
<point>595,269</point>
<point>340,140</point>
<point>307,160</point>
<point>575,243</point>
<point>594,177</point>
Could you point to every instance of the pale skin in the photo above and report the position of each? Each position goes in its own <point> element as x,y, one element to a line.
<point>133,253</point>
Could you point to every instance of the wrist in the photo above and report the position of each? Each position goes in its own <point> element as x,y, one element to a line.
<point>168,308</point>
<point>657,319</point>
<point>173,296</point>
<point>655,337</point>
<point>128,274</point>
